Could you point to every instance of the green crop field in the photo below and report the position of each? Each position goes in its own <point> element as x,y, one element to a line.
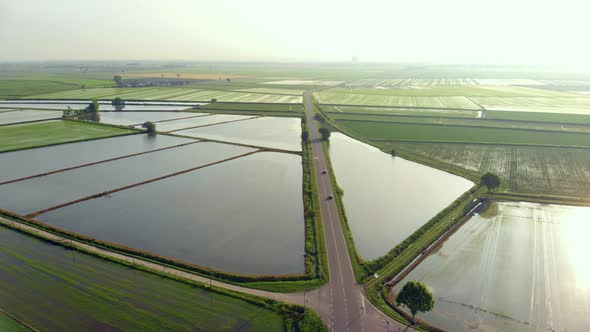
<point>578,104</point>
<point>7,324</point>
<point>539,170</point>
<point>14,137</point>
<point>55,289</point>
<point>340,109</point>
<point>457,102</point>
<point>178,94</point>
<point>462,134</point>
<point>535,117</point>
<point>275,91</point>
<point>20,88</point>
<point>456,91</point>
<point>443,120</point>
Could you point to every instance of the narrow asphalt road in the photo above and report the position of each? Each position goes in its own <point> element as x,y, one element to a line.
<point>340,303</point>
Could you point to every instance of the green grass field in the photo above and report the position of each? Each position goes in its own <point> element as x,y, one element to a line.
<point>454,102</point>
<point>163,93</point>
<point>14,137</point>
<point>21,88</point>
<point>536,117</point>
<point>462,134</point>
<point>55,289</point>
<point>465,122</point>
<point>7,324</point>
<point>465,90</point>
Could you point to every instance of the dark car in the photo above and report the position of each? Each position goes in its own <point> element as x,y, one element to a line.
<point>330,197</point>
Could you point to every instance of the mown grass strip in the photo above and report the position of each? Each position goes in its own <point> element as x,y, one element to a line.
<point>18,137</point>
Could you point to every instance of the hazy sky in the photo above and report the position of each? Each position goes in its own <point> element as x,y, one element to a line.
<point>447,31</point>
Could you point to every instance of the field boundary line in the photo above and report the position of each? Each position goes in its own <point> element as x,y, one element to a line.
<point>28,121</point>
<point>18,320</point>
<point>112,191</point>
<point>97,162</point>
<point>213,124</point>
<point>481,143</point>
<point>403,107</point>
<point>261,148</point>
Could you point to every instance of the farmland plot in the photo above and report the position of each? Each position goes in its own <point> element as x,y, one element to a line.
<point>518,267</point>
<point>271,132</point>
<point>27,116</point>
<point>577,105</point>
<point>199,121</point>
<point>135,118</point>
<point>274,91</point>
<point>56,289</point>
<point>19,164</point>
<point>215,216</point>
<point>52,132</point>
<point>556,171</point>
<point>179,94</point>
<point>457,102</point>
<point>390,131</point>
<point>47,191</point>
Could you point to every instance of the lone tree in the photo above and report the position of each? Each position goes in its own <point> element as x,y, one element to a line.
<point>118,103</point>
<point>149,126</point>
<point>213,100</point>
<point>416,297</point>
<point>325,132</point>
<point>393,154</point>
<point>93,106</point>
<point>490,180</point>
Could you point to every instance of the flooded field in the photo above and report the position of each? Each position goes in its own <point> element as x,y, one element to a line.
<point>136,118</point>
<point>242,216</point>
<point>387,198</point>
<point>35,194</point>
<point>24,163</point>
<point>518,267</point>
<point>272,132</point>
<point>198,121</point>
<point>104,106</point>
<point>28,115</point>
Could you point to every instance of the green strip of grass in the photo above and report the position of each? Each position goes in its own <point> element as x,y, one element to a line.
<point>8,324</point>
<point>15,137</point>
<point>463,134</point>
<point>253,107</point>
<point>538,116</point>
<point>20,88</point>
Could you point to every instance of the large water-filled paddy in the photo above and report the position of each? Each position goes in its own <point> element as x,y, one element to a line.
<point>242,216</point>
<point>27,116</point>
<point>387,198</point>
<point>518,267</point>
<point>39,193</point>
<point>30,162</point>
<point>272,132</point>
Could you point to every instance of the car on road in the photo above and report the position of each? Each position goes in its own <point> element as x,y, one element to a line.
<point>324,172</point>
<point>330,197</point>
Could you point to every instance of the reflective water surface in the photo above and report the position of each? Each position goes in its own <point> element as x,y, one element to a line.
<point>519,267</point>
<point>243,216</point>
<point>388,198</point>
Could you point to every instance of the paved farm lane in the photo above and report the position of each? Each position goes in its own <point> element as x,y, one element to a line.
<point>340,303</point>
